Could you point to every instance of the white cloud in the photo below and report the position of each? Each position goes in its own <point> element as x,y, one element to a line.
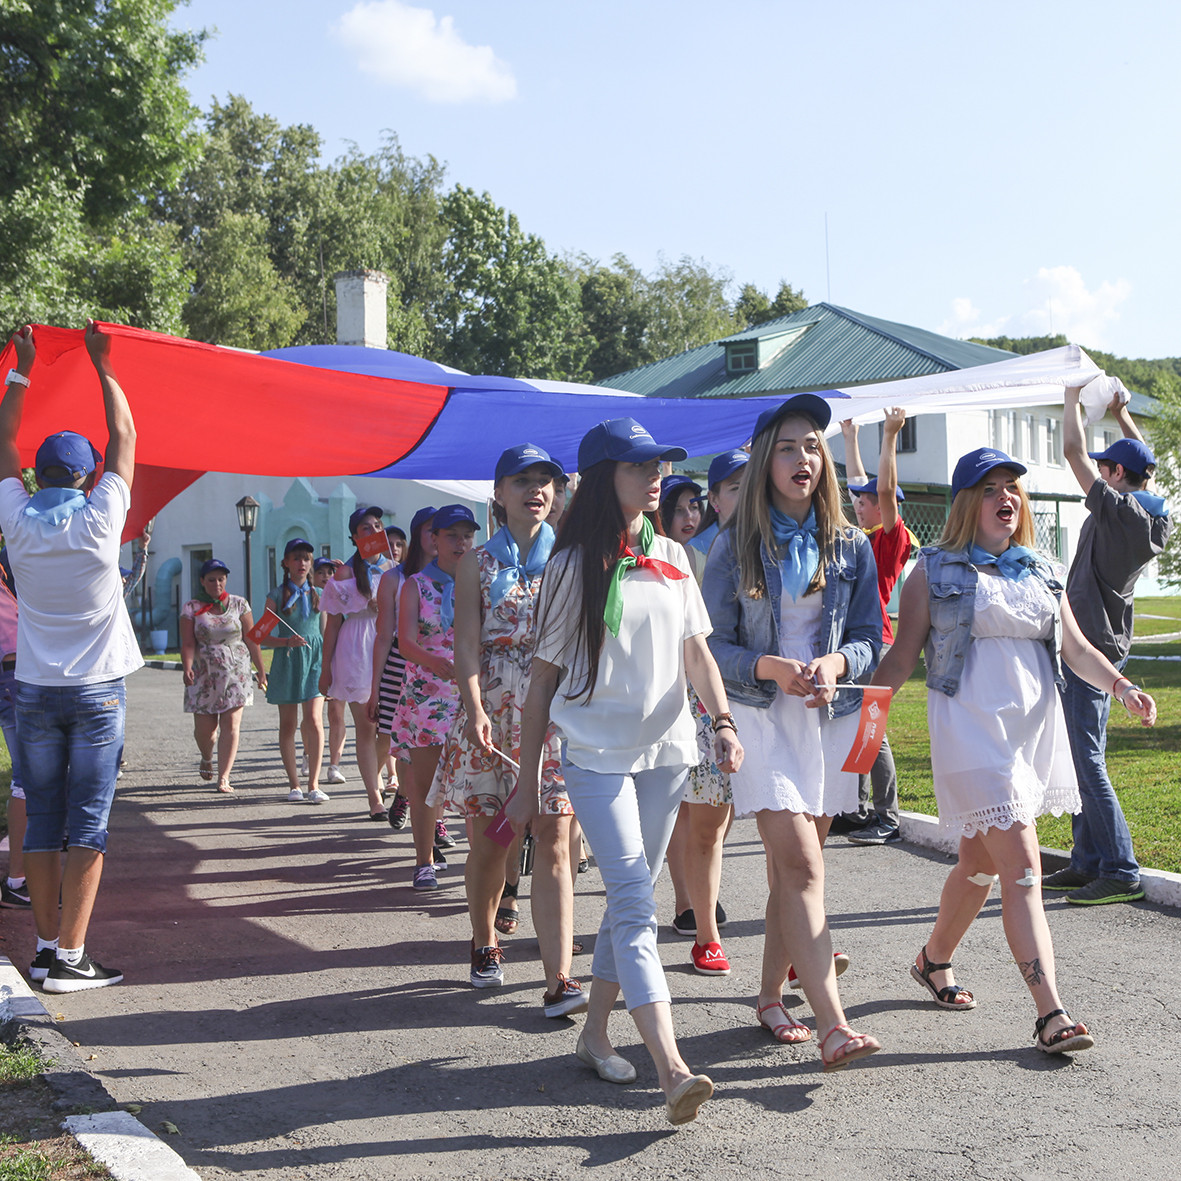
<point>1056,300</point>
<point>411,47</point>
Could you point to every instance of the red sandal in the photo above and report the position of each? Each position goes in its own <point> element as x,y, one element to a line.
<point>869,1045</point>
<point>789,1031</point>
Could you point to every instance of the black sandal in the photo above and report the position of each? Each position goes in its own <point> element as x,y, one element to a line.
<point>1067,1040</point>
<point>508,918</point>
<point>944,997</point>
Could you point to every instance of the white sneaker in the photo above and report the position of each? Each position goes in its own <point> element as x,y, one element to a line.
<point>316,796</point>
<point>295,796</point>
<point>303,767</point>
<point>335,774</point>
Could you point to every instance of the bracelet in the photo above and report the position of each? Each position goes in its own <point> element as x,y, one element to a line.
<point>725,725</point>
<point>1115,684</point>
<point>14,378</point>
<point>1123,697</point>
<point>724,720</point>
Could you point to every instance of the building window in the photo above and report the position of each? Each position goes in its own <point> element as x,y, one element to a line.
<point>997,430</point>
<point>1054,443</point>
<point>272,566</point>
<point>1032,452</point>
<point>741,358</point>
<point>325,551</point>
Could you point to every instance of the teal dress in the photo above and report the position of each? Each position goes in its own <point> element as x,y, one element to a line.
<point>295,672</point>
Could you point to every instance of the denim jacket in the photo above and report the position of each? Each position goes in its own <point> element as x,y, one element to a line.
<point>745,629</point>
<point>951,596</point>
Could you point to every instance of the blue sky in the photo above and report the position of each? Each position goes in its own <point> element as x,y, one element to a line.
<point>1009,168</point>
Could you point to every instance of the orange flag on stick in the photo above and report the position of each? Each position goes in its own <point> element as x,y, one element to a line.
<point>374,545</point>
<point>871,728</point>
<point>263,627</point>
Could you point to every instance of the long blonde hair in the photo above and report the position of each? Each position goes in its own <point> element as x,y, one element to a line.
<point>959,531</point>
<point>751,524</point>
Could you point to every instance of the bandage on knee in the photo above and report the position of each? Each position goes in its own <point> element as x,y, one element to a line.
<point>982,879</point>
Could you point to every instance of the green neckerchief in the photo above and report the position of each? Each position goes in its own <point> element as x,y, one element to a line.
<point>613,610</point>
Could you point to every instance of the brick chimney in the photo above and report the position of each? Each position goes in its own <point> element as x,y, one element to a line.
<point>360,308</point>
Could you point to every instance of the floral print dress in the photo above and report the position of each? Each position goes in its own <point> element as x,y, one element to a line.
<point>470,779</point>
<point>221,666</point>
<point>429,704</point>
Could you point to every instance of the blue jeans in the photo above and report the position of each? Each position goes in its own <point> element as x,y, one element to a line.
<point>1102,842</point>
<point>70,740</point>
<point>628,820</point>
<point>8,725</point>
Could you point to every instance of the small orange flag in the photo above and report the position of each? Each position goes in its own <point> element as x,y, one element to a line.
<point>871,728</point>
<point>374,545</point>
<point>263,627</point>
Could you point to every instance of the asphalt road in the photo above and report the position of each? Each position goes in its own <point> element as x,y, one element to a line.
<point>296,1011</point>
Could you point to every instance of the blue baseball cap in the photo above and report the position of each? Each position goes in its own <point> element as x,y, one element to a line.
<point>212,566</point>
<point>623,440</point>
<point>1133,455</point>
<point>725,465</point>
<point>360,514</point>
<point>421,518</point>
<point>814,406</point>
<point>321,563</point>
<point>671,485</point>
<point>68,450</point>
<point>870,488</point>
<point>973,467</point>
<point>298,543</point>
<point>453,514</point>
<point>523,457</point>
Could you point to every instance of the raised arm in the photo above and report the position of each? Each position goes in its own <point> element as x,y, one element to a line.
<point>1119,411</point>
<point>854,469</point>
<point>120,456</point>
<point>1074,446</point>
<point>888,467</point>
<point>12,408</point>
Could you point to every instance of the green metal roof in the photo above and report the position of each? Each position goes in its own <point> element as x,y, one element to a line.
<point>824,346</point>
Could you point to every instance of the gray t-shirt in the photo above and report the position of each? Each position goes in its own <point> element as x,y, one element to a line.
<point>1118,539</point>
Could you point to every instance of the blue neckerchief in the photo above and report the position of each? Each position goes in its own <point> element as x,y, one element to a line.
<point>1152,504</point>
<point>55,505</point>
<point>377,568</point>
<point>705,538</point>
<point>302,594</point>
<point>802,556</point>
<point>505,550</point>
<point>447,585</point>
<point>1015,563</point>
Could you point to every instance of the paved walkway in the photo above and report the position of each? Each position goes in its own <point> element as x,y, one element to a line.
<point>296,1011</point>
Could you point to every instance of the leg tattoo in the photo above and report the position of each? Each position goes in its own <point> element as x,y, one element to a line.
<point>1032,972</point>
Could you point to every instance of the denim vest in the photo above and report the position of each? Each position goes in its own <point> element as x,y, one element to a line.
<point>951,597</point>
<point>745,629</point>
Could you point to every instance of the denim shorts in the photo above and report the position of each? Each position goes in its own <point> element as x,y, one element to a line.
<point>8,725</point>
<point>70,740</point>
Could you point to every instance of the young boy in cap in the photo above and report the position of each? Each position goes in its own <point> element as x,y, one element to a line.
<point>875,502</point>
<point>75,644</point>
<point>1127,527</point>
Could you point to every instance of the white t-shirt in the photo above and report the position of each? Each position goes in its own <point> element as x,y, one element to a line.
<point>638,717</point>
<point>73,627</point>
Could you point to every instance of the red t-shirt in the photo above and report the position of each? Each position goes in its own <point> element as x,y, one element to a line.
<point>890,551</point>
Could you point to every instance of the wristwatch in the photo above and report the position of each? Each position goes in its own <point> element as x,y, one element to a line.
<point>726,720</point>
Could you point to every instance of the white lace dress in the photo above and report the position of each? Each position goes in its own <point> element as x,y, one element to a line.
<point>999,750</point>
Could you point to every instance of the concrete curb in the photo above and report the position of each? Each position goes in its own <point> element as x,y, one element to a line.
<point>1160,887</point>
<point>116,1138</point>
<point>165,664</point>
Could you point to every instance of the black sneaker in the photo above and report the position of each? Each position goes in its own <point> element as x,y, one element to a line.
<point>686,923</point>
<point>719,915</point>
<point>486,969</point>
<point>41,964</point>
<point>17,897</point>
<point>844,823</point>
<point>400,812</point>
<point>1104,890</point>
<point>440,861</point>
<point>1066,879</point>
<point>443,839</point>
<point>875,834</point>
<point>84,974</point>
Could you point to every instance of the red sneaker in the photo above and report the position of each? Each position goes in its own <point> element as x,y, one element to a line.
<point>840,962</point>
<point>710,960</point>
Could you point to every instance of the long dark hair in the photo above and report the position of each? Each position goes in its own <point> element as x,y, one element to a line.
<point>594,529</point>
<point>358,563</point>
<point>415,558</point>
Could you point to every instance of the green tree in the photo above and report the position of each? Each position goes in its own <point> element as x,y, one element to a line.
<point>753,306</point>
<point>615,315</point>
<point>688,306</point>
<point>509,307</point>
<point>91,95</point>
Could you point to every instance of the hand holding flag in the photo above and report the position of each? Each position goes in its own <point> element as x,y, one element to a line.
<point>263,627</point>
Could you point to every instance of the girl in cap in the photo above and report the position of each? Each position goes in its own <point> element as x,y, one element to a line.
<point>621,629</point>
<point>215,658</point>
<point>350,599</point>
<point>294,679</point>
<point>695,851</point>
<point>996,626</point>
<point>680,516</point>
<point>430,699</point>
<point>496,589</point>
<point>389,665</point>
<point>793,599</point>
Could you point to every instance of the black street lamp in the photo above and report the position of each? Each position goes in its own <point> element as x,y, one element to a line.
<point>247,519</point>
